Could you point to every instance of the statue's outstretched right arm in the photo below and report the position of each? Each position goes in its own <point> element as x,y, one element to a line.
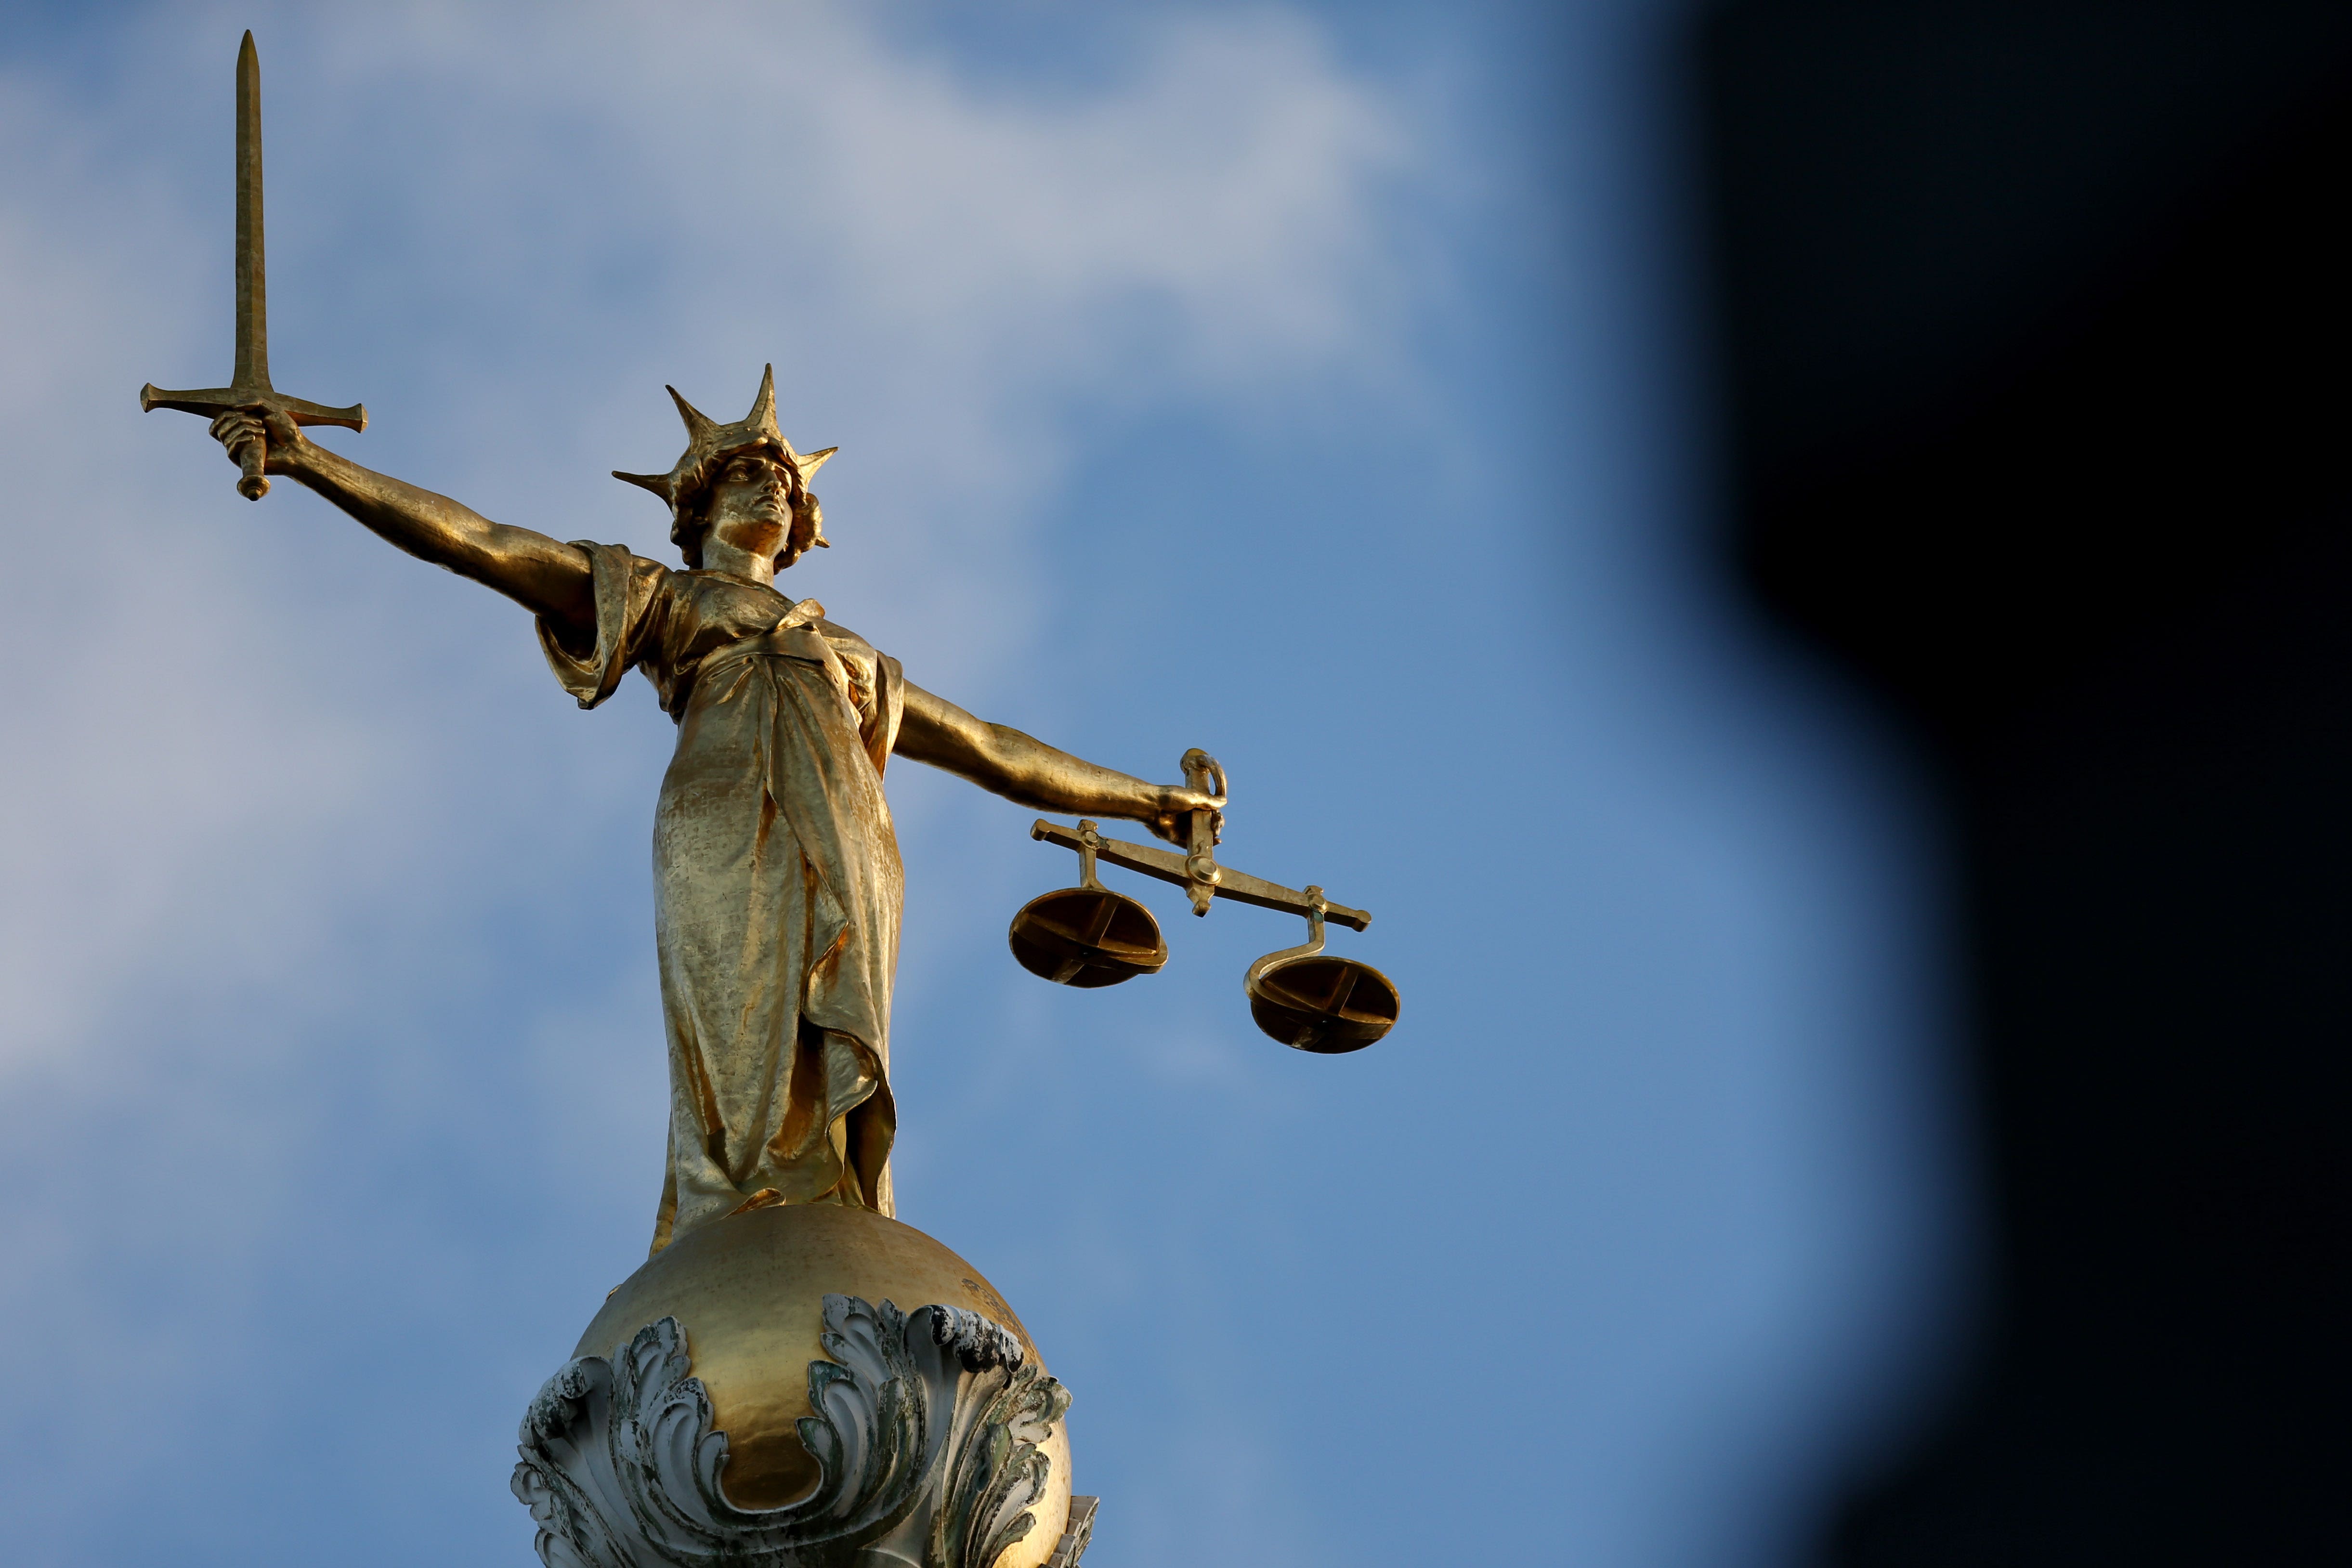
<point>544,575</point>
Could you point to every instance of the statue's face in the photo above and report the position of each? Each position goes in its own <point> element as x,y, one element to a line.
<point>750,504</point>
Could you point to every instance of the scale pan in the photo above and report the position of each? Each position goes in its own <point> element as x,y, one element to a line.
<point>1323,1004</point>
<point>1087,937</point>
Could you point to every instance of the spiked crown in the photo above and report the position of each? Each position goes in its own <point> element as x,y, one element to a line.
<point>709,444</point>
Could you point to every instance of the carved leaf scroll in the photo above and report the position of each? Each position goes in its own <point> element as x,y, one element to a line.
<point>927,1436</point>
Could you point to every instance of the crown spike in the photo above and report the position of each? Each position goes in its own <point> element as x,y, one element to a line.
<point>762,416</point>
<point>658,483</point>
<point>698,423</point>
<point>810,462</point>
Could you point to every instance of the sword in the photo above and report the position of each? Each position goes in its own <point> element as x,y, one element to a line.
<point>250,381</point>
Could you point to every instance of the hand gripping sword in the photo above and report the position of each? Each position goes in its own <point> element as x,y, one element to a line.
<point>249,381</point>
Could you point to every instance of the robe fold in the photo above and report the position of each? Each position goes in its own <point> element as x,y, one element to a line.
<point>776,880</point>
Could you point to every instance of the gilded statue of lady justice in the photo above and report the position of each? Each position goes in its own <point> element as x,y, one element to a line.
<point>776,878</point>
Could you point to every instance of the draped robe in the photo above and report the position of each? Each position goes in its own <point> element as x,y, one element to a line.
<point>776,880</point>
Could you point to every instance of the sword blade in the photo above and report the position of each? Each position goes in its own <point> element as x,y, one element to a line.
<point>252,293</point>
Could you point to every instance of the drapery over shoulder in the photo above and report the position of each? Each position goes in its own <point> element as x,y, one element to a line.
<point>777,883</point>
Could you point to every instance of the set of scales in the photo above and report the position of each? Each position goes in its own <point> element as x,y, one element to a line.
<point>1086,936</point>
<point>1089,936</point>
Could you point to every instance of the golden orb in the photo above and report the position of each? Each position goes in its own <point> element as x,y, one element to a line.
<point>750,1292</point>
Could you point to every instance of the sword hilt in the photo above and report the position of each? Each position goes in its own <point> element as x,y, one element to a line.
<point>250,456</point>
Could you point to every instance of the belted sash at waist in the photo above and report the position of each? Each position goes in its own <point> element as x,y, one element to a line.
<point>791,637</point>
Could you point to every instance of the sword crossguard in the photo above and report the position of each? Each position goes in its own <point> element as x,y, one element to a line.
<point>212,402</point>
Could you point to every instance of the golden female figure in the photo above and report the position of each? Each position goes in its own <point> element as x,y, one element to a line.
<point>776,875</point>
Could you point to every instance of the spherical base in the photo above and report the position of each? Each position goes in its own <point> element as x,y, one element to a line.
<point>750,1292</point>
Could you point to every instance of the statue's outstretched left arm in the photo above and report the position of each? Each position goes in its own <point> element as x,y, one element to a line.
<point>1024,769</point>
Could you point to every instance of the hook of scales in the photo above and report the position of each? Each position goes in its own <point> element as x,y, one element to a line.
<point>1089,936</point>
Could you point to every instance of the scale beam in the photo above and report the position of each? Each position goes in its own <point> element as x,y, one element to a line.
<point>1170,866</point>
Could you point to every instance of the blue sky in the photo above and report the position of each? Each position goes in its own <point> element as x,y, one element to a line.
<point>1321,386</point>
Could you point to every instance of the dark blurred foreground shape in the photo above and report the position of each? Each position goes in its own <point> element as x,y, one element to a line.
<point>2035,326</point>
